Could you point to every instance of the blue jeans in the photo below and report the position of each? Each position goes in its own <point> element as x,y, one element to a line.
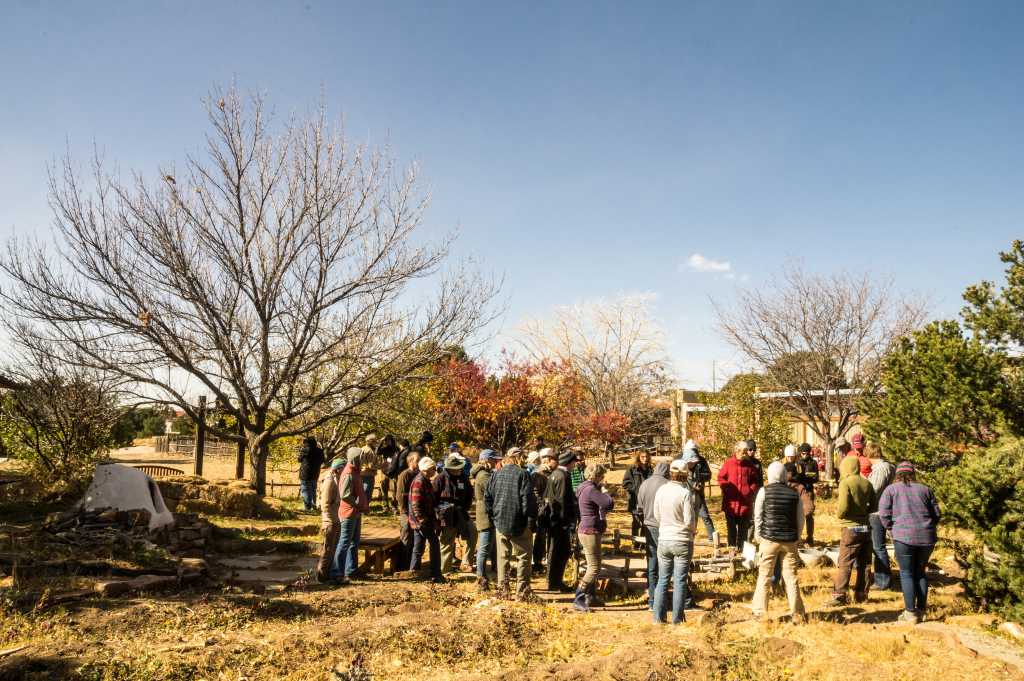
<point>705,515</point>
<point>421,538</point>
<point>651,548</point>
<point>346,557</point>
<point>307,490</point>
<point>485,548</point>
<point>883,570</point>
<point>674,558</point>
<point>913,581</point>
<point>368,481</point>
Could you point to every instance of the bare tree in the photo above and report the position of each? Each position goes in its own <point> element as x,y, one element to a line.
<point>60,419</point>
<point>277,272</point>
<point>820,340</point>
<point>614,347</point>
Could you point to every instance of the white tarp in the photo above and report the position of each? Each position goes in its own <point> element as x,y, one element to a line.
<point>125,488</point>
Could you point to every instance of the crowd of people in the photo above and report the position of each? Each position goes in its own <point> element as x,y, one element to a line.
<point>522,513</point>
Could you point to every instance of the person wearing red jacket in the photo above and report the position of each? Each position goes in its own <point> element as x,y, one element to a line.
<point>858,442</point>
<point>739,480</point>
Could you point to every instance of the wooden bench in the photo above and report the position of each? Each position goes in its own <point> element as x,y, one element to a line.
<point>377,552</point>
<point>158,471</point>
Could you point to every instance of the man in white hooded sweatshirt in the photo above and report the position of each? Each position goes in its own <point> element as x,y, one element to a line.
<point>778,522</point>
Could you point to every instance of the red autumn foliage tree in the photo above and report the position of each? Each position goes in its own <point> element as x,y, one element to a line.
<point>519,402</point>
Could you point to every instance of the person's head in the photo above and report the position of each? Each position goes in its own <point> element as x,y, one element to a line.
<point>411,459</point>
<point>337,463</point>
<point>873,451</point>
<point>454,463</point>
<point>679,470</point>
<point>776,472</point>
<point>428,468</point>
<point>371,440</point>
<point>354,455</point>
<point>426,438</point>
<point>568,459</point>
<point>843,446</point>
<point>548,460</point>
<point>581,458</point>
<point>751,447</point>
<point>850,465</point>
<point>858,442</point>
<point>388,441</point>
<point>905,472</point>
<point>489,457</point>
<point>533,460</point>
<point>642,457</point>
<point>804,449</point>
<point>454,447</point>
<point>310,441</point>
<point>789,454</point>
<point>740,449</point>
<point>404,444</point>
<point>513,456</point>
<point>595,473</point>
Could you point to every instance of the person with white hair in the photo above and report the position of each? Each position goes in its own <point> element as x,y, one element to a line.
<point>778,524</point>
<point>739,478</point>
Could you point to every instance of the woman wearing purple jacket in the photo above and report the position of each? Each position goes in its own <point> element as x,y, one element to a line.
<point>910,512</point>
<point>595,504</point>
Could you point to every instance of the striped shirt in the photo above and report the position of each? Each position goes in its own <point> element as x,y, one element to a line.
<point>910,512</point>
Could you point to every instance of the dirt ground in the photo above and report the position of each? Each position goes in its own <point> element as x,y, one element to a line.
<point>388,628</point>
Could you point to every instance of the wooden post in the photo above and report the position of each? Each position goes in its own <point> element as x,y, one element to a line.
<point>201,436</point>
<point>240,457</point>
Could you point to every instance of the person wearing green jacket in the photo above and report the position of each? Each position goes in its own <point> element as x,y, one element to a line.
<point>856,502</point>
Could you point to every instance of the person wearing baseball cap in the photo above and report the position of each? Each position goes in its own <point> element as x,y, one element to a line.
<point>910,512</point>
<point>674,513</point>
<point>560,513</point>
<point>423,519</point>
<point>807,476</point>
<point>480,474</point>
<point>512,507</point>
<point>539,479</point>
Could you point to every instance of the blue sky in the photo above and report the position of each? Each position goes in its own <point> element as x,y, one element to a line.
<point>585,149</point>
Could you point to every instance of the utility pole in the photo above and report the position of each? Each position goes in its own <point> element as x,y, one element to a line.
<point>200,436</point>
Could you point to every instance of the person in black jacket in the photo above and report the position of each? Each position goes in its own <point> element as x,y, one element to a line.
<point>700,475</point>
<point>560,515</point>
<point>637,472</point>
<point>311,460</point>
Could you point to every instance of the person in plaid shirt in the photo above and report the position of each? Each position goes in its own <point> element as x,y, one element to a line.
<point>910,512</point>
<point>576,474</point>
<point>423,519</point>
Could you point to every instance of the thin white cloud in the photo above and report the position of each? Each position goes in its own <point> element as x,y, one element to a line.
<point>699,263</point>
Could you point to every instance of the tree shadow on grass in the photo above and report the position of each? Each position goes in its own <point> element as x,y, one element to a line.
<point>37,667</point>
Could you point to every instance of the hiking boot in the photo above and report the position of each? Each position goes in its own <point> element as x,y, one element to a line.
<point>502,591</point>
<point>908,617</point>
<point>836,602</point>
<point>860,597</point>
<point>527,596</point>
<point>798,618</point>
<point>580,601</point>
<point>482,585</point>
<point>920,615</point>
<point>438,580</point>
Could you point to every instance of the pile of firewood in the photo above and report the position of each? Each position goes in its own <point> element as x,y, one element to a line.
<point>104,527</point>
